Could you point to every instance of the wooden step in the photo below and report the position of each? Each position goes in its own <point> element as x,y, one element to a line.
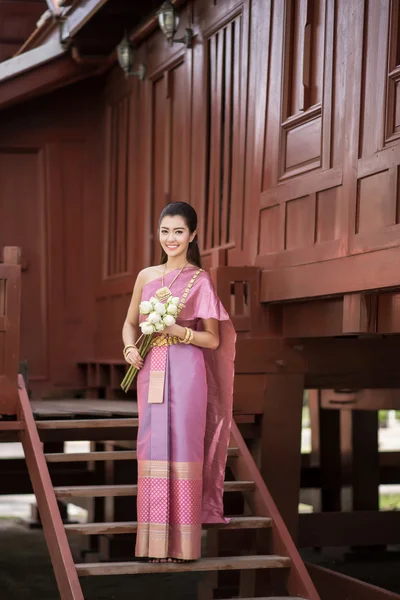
<point>232,563</point>
<point>92,491</point>
<point>87,429</point>
<point>131,526</point>
<point>89,456</point>
<point>87,423</point>
<point>114,455</point>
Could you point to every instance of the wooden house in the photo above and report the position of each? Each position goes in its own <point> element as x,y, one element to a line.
<point>279,121</point>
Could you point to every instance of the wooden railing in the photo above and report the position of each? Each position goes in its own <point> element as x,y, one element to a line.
<point>299,582</point>
<point>10,308</point>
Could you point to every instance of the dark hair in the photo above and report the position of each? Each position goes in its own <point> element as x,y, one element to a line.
<point>187,212</point>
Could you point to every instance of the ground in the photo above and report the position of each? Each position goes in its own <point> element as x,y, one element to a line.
<point>26,573</point>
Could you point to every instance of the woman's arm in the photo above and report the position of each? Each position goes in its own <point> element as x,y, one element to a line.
<point>130,329</point>
<point>209,338</point>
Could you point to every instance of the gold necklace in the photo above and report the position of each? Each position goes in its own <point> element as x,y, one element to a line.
<point>164,292</point>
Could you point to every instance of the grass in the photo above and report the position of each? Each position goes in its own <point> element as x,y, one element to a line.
<point>389,502</point>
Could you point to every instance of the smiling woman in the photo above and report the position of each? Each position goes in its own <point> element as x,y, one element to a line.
<point>185,387</point>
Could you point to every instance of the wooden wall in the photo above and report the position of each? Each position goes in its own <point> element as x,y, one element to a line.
<point>281,126</point>
<point>50,206</point>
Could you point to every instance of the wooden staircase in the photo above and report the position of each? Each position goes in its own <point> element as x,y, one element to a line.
<point>268,566</point>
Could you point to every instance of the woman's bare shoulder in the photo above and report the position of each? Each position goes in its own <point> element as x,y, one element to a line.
<point>149,273</point>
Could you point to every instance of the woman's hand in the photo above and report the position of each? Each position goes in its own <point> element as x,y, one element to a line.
<point>174,330</point>
<point>133,357</point>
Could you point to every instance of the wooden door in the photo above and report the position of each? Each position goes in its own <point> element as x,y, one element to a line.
<point>22,224</point>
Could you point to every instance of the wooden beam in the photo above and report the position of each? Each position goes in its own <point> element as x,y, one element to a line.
<point>351,363</point>
<point>30,59</point>
<point>366,399</point>
<point>45,77</point>
<point>12,425</point>
<point>360,528</point>
<point>356,273</point>
<point>334,586</point>
<point>359,313</point>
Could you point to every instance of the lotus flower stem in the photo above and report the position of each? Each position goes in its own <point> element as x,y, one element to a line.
<point>132,371</point>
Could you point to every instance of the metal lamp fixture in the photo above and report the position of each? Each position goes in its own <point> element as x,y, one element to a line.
<point>168,20</point>
<point>126,53</point>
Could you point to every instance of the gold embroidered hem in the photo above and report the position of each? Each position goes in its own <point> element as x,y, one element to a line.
<point>169,509</point>
<point>153,540</point>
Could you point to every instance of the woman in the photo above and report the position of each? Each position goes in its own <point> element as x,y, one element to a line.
<point>185,387</point>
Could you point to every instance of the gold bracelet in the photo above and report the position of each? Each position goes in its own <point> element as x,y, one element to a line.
<point>188,338</point>
<point>127,348</point>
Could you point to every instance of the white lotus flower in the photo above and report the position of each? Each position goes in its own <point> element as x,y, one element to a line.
<point>159,326</point>
<point>160,308</point>
<point>154,318</point>
<point>172,309</point>
<point>153,300</point>
<point>168,320</point>
<point>175,300</point>
<point>145,307</point>
<point>147,328</point>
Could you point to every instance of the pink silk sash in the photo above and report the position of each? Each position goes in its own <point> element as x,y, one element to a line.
<point>159,356</point>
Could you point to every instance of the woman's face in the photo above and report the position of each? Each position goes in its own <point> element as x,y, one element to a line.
<point>175,236</point>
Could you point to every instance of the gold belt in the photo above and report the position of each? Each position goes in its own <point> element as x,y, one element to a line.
<point>166,340</point>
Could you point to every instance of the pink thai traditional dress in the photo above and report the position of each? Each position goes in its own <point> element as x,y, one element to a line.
<point>185,411</point>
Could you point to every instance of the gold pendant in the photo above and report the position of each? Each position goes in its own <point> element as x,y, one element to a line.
<point>163,293</point>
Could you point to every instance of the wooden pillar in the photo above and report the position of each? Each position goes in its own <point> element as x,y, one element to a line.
<point>360,457</point>
<point>365,460</point>
<point>330,459</point>
<point>281,443</point>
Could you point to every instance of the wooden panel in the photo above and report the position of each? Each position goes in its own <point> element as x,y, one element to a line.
<point>65,162</point>
<point>2,297</point>
<point>376,202</point>
<point>2,351</point>
<point>300,222</point>
<point>374,79</point>
<point>303,145</point>
<point>180,123</point>
<point>270,235</point>
<point>305,33</point>
<point>224,74</point>
<point>170,153</point>
<point>117,184</point>
<point>313,319</point>
<point>110,312</point>
<point>388,318</point>
<point>393,88</point>
<point>22,223</point>
<point>159,149</point>
<point>328,225</point>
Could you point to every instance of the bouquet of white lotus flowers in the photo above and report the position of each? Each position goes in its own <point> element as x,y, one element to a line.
<point>159,316</point>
